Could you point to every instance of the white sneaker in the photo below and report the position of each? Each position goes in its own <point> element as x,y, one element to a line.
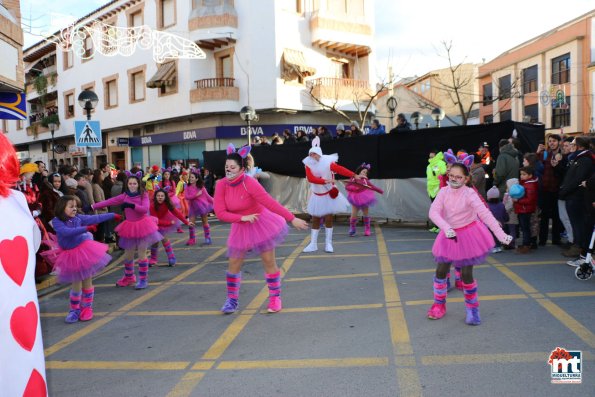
<point>495,250</point>
<point>576,262</point>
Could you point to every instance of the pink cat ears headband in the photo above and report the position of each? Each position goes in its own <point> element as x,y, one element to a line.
<point>243,151</point>
<point>366,166</point>
<point>462,158</point>
<point>139,174</point>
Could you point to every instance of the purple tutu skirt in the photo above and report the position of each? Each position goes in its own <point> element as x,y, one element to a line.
<point>173,226</point>
<point>363,199</point>
<point>251,239</point>
<point>82,262</point>
<point>175,201</point>
<point>141,233</point>
<point>472,246</point>
<point>199,207</point>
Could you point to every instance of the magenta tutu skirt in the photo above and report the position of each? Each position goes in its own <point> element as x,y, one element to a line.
<point>472,246</point>
<point>199,207</point>
<point>143,232</point>
<point>365,198</point>
<point>251,239</point>
<point>81,262</point>
<point>173,226</point>
<point>175,201</point>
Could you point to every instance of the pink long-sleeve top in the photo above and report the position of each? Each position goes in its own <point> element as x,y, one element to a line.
<point>244,196</point>
<point>455,208</point>
<point>141,205</point>
<point>194,193</point>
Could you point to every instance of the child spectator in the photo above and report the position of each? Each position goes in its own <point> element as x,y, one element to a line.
<point>499,211</point>
<point>526,206</point>
<point>510,227</point>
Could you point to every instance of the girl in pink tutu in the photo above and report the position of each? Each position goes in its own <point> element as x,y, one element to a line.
<point>200,203</point>
<point>169,186</point>
<point>168,219</point>
<point>361,195</point>
<point>258,225</point>
<point>137,232</point>
<point>78,256</point>
<point>464,240</point>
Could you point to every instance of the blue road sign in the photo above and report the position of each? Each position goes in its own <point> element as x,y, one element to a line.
<point>87,133</point>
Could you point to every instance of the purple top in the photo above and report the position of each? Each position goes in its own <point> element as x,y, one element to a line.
<point>141,205</point>
<point>499,212</point>
<point>74,231</point>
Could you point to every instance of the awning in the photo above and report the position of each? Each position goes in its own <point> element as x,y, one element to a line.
<point>295,60</point>
<point>165,75</point>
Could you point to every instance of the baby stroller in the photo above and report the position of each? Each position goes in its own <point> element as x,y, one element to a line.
<point>585,271</point>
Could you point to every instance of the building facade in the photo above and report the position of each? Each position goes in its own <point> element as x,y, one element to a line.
<point>549,79</point>
<point>157,112</point>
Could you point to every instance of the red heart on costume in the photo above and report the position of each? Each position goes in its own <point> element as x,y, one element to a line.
<point>23,325</point>
<point>14,256</point>
<point>36,386</point>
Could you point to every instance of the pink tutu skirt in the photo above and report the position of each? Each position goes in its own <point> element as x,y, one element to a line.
<point>471,247</point>
<point>199,207</point>
<point>81,262</point>
<point>175,201</point>
<point>143,232</point>
<point>365,198</point>
<point>164,230</point>
<point>251,239</point>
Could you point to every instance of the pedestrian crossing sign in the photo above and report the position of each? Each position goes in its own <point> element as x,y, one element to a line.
<point>87,133</point>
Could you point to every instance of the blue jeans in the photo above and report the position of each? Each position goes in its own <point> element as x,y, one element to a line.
<point>525,225</point>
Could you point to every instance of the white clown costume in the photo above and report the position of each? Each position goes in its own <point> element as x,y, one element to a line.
<point>325,198</point>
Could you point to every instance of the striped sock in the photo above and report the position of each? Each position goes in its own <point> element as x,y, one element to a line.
<point>457,273</point>
<point>274,283</point>
<point>439,290</point>
<point>143,269</point>
<point>207,229</point>
<point>88,295</point>
<point>75,300</point>
<point>154,251</point>
<point>470,293</point>
<point>129,268</point>
<point>168,249</point>
<point>234,282</point>
<point>192,232</point>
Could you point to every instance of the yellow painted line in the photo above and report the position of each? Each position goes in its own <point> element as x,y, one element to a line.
<point>461,299</point>
<point>496,358</point>
<point>176,313</point>
<point>332,308</point>
<point>411,252</point>
<point>398,240</point>
<point>96,324</point>
<point>338,276</point>
<point>113,285</point>
<point>61,315</point>
<point>407,377</point>
<point>432,270</point>
<point>218,282</point>
<point>570,294</point>
<point>570,322</point>
<point>522,284</point>
<point>535,263</point>
<point>125,365</point>
<point>185,386</point>
<point>328,255</point>
<point>238,324</point>
<point>203,365</point>
<point>306,363</point>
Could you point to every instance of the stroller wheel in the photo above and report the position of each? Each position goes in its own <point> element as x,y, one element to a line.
<point>584,271</point>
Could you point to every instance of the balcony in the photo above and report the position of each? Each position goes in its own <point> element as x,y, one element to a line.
<point>213,25</point>
<point>37,119</point>
<point>339,89</point>
<point>351,36</point>
<point>217,89</point>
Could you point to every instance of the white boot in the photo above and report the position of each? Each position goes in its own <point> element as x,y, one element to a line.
<point>329,240</point>
<point>313,246</point>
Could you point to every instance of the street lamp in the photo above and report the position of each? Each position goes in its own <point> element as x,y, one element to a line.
<point>248,114</point>
<point>416,118</point>
<point>52,127</point>
<point>438,114</point>
<point>88,101</point>
<point>391,104</point>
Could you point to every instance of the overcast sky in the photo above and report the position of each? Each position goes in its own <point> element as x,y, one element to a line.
<point>408,32</point>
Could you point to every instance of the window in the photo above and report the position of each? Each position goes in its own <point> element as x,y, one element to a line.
<point>110,91</point>
<point>531,114</point>
<point>505,115</point>
<point>109,37</point>
<point>166,13</point>
<point>561,116</point>
<point>68,59</point>
<point>504,86</point>
<point>69,104</point>
<point>136,84</point>
<point>298,6</point>
<point>530,79</point>
<point>88,48</point>
<point>340,68</point>
<point>487,95</point>
<point>489,119</point>
<point>561,69</point>
<point>224,63</point>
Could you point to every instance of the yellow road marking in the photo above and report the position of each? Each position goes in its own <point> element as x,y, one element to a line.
<point>331,308</point>
<point>306,363</point>
<point>185,386</point>
<point>407,377</point>
<point>522,284</point>
<point>60,315</point>
<point>497,358</point>
<point>432,270</point>
<point>330,256</point>
<point>203,365</point>
<point>126,365</point>
<point>217,282</point>
<point>461,299</point>
<point>570,294</point>
<point>535,263</point>
<point>79,334</point>
<point>338,276</point>
<point>411,252</point>
<point>176,313</point>
<point>399,240</point>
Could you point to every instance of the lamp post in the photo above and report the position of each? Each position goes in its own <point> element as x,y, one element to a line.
<point>248,114</point>
<point>438,114</point>
<point>88,101</point>
<point>391,104</point>
<point>416,118</point>
<point>52,127</point>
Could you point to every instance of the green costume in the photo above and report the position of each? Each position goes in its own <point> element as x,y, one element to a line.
<point>436,166</point>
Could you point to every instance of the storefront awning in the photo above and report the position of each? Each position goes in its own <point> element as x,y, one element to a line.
<point>295,60</point>
<point>165,75</point>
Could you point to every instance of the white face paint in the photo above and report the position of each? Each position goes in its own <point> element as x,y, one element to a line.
<point>456,178</point>
<point>232,169</point>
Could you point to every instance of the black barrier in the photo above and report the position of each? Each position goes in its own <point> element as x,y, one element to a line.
<point>392,156</point>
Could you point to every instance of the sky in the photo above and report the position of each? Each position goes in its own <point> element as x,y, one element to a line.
<point>409,33</point>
